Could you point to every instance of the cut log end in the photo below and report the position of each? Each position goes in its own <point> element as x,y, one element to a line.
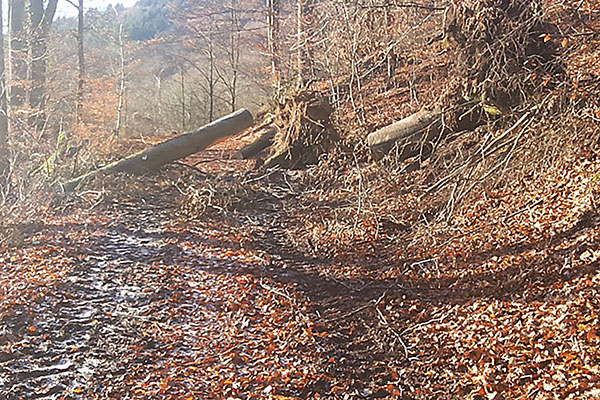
<point>255,148</point>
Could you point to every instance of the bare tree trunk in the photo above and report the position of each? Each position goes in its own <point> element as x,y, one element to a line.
<point>159,93</point>
<point>39,23</point>
<point>173,149</point>
<point>33,17</point>
<point>299,44</point>
<point>17,63</point>
<point>410,132</point>
<point>211,78</point>
<point>3,112</point>
<point>182,99</point>
<point>81,60</point>
<point>234,56</point>
<point>229,76</point>
<point>118,122</point>
<point>254,148</point>
<point>304,54</point>
<point>272,38</point>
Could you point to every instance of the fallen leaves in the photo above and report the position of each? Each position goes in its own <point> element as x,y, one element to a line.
<point>186,311</point>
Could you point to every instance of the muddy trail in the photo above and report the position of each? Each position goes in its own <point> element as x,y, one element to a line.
<point>128,301</point>
<point>75,336</point>
<point>130,297</point>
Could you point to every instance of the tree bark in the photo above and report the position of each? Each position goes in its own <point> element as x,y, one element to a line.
<point>39,20</point>
<point>3,112</point>
<point>234,53</point>
<point>80,59</point>
<point>17,55</point>
<point>119,118</point>
<point>254,148</point>
<point>410,131</point>
<point>273,12</point>
<point>171,150</point>
<point>182,74</point>
<point>211,77</point>
<point>299,44</point>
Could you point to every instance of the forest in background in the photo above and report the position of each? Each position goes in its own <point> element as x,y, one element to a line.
<point>164,67</point>
<point>152,69</point>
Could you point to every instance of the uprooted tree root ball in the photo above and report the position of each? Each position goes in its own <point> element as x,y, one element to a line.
<point>504,50</point>
<point>305,130</point>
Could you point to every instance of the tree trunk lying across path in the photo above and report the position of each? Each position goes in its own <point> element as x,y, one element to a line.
<point>254,148</point>
<point>172,149</point>
<point>412,131</point>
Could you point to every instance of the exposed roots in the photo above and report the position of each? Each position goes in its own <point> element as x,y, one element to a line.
<point>305,131</point>
<point>504,49</point>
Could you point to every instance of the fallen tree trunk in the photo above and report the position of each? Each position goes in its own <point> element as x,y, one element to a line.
<point>254,148</point>
<point>411,132</point>
<point>172,149</point>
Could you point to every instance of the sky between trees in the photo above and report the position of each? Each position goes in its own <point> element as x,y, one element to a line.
<point>65,9</point>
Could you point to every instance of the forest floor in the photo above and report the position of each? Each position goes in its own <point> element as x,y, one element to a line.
<point>124,293</point>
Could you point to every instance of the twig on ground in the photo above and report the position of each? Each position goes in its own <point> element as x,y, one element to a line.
<point>513,214</point>
<point>273,290</point>
<point>422,324</point>
<point>396,334</point>
<point>359,309</point>
<point>494,146</point>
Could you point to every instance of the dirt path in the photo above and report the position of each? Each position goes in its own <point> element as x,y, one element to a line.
<point>121,303</point>
<point>130,299</point>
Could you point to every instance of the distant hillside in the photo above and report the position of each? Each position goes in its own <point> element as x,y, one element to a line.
<point>143,21</point>
<point>148,18</point>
